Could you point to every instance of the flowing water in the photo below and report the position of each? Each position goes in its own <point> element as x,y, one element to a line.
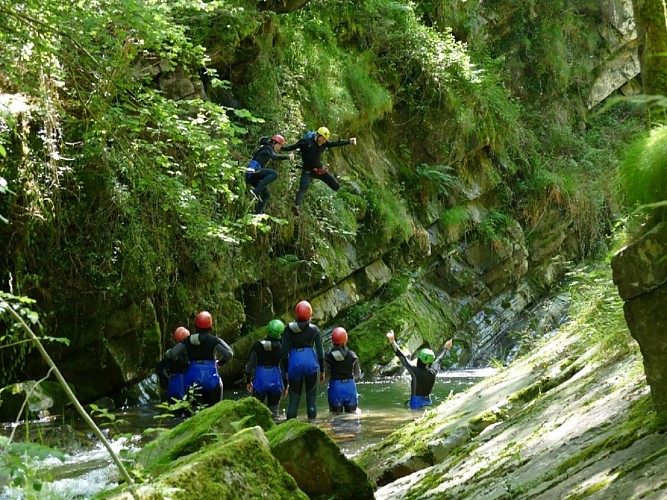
<point>382,409</point>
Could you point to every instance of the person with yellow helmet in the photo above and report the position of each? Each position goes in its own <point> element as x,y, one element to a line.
<point>311,148</point>
<point>423,375</point>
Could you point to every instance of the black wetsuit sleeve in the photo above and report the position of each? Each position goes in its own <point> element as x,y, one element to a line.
<point>319,350</point>
<point>335,144</point>
<point>408,366</point>
<point>356,369</point>
<point>327,367</point>
<point>436,363</point>
<point>250,365</point>
<point>176,351</point>
<point>294,146</point>
<point>224,351</point>
<point>276,157</point>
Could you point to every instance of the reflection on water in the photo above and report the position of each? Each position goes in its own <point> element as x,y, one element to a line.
<point>382,409</point>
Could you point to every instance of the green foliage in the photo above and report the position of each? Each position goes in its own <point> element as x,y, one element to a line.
<point>597,312</point>
<point>20,461</point>
<point>439,177</point>
<point>540,44</point>
<point>14,347</point>
<point>494,227</point>
<point>108,419</point>
<point>455,216</point>
<point>642,177</point>
<point>144,187</point>
<point>388,217</point>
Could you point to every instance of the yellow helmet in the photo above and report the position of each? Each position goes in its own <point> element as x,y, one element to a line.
<point>324,132</point>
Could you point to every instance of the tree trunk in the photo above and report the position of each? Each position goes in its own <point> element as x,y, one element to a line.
<point>651,21</point>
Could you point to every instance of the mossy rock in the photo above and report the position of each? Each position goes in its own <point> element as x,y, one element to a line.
<point>316,462</point>
<point>209,425</point>
<point>241,466</point>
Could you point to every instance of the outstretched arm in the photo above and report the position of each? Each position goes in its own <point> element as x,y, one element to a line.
<point>399,353</point>
<point>447,348</point>
<point>292,147</point>
<point>344,142</point>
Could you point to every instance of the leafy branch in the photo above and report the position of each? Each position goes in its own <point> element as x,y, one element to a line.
<point>5,306</point>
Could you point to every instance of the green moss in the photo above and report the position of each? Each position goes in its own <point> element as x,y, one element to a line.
<point>241,466</point>
<point>211,424</point>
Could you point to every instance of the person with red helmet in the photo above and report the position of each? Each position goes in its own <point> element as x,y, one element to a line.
<point>311,147</point>
<point>258,176</point>
<point>303,360</point>
<point>171,372</point>
<point>341,368</point>
<point>205,352</point>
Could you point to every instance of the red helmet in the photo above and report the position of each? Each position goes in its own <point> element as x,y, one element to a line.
<point>303,311</point>
<point>180,334</point>
<point>278,138</point>
<point>339,336</point>
<point>204,320</point>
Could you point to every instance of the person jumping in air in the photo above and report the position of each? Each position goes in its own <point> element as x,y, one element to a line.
<point>311,148</point>
<point>423,375</point>
<point>264,378</point>
<point>303,360</point>
<point>341,367</point>
<point>206,352</point>
<point>258,176</point>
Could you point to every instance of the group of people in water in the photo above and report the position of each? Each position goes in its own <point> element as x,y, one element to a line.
<point>311,147</point>
<point>289,361</point>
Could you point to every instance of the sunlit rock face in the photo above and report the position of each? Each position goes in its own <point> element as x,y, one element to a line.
<point>640,273</point>
<point>621,65</point>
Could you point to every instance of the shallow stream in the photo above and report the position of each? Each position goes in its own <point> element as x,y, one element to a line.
<point>382,409</point>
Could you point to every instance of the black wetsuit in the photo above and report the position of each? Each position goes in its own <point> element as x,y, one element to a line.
<point>203,349</point>
<point>303,361</point>
<point>269,380</point>
<point>311,156</point>
<point>261,178</point>
<point>422,377</point>
<point>342,368</point>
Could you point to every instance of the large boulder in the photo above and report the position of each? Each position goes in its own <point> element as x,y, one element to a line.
<point>316,462</point>
<point>213,424</point>
<point>640,273</point>
<point>240,466</point>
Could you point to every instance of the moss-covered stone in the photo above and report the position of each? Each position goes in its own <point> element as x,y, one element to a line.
<point>242,466</point>
<point>207,426</point>
<point>316,462</point>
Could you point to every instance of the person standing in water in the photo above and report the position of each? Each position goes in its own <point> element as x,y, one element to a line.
<point>423,375</point>
<point>205,352</point>
<point>303,360</point>
<point>172,371</point>
<point>342,368</point>
<point>264,378</point>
